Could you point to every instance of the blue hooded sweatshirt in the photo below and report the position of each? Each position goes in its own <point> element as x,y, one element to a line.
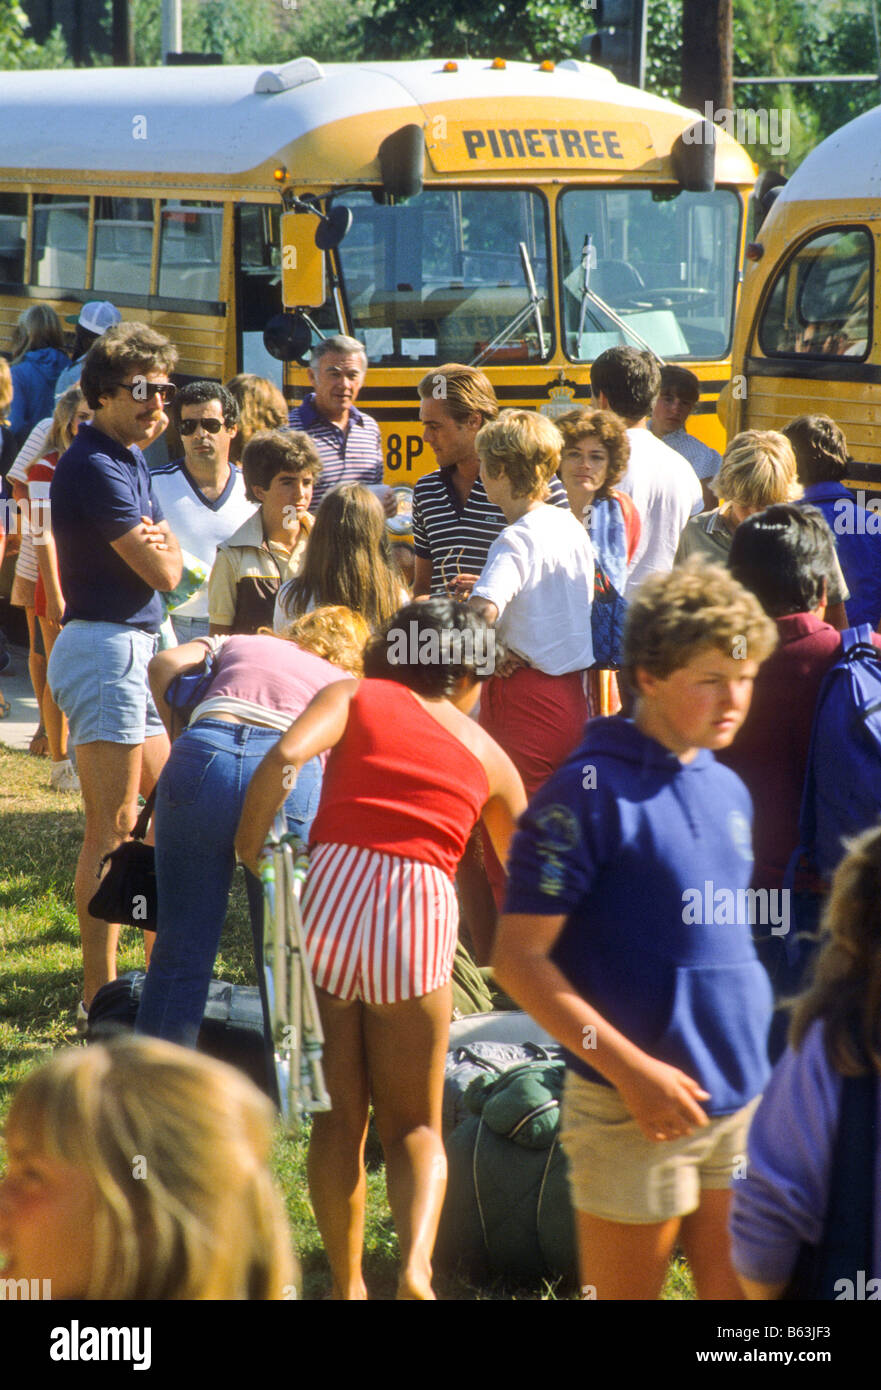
<point>650,859</point>
<point>33,389</point>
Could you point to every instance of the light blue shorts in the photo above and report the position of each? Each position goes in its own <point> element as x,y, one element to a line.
<point>98,677</point>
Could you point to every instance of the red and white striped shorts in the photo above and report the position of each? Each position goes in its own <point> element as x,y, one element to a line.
<point>378,928</point>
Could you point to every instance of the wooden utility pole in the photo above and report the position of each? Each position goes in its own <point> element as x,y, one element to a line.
<point>707,54</point>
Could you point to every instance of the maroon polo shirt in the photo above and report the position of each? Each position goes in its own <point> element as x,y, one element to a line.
<point>770,752</point>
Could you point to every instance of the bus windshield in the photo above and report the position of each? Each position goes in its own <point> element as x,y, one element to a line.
<point>664,263</point>
<point>440,277</point>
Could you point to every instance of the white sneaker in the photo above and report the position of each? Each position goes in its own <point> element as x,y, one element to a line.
<point>63,778</point>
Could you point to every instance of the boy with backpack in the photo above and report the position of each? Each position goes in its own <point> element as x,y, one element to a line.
<point>626,935</point>
<point>782,556</point>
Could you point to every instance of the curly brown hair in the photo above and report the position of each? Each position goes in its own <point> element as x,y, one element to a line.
<point>611,432</point>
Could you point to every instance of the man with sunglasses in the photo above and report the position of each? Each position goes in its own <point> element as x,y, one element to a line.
<point>116,552</point>
<point>202,496</point>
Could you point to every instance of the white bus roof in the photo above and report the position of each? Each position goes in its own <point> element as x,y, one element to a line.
<point>846,165</point>
<point>220,122</point>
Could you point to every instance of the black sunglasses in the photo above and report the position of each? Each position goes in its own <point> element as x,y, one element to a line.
<point>209,423</point>
<point>142,390</point>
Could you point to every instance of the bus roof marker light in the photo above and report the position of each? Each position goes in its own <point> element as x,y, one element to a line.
<point>280,174</point>
<point>548,65</point>
<point>498,64</point>
<point>755,251</point>
<point>450,66</point>
<point>295,74</point>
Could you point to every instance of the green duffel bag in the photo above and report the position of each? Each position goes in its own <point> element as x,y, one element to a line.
<point>507,1209</point>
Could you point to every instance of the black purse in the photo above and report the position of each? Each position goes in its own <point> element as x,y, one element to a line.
<point>127,892</point>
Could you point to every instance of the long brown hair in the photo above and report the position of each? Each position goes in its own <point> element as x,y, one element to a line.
<point>37,327</point>
<point>846,988</point>
<point>261,407</point>
<point>348,560</point>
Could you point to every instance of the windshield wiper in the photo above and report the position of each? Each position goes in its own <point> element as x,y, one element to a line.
<point>530,310</point>
<point>588,296</point>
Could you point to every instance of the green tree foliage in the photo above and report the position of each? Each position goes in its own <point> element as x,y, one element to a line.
<point>777,38</point>
<point>524,29</point>
<point>19,51</point>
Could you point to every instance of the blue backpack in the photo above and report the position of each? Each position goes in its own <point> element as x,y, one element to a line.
<point>842,791</point>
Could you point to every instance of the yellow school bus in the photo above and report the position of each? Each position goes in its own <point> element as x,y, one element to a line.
<point>806,339</point>
<point>517,216</point>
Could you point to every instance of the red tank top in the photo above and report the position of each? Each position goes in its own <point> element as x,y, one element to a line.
<point>399,782</point>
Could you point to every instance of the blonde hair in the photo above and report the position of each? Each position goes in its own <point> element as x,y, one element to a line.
<point>674,617</point>
<point>5,388</point>
<point>332,632</point>
<point>177,1146</point>
<point>261,407</point>
<point>464,391</point>
<point>525,447</point>
<point>758,469</point>
<point>60,434</point>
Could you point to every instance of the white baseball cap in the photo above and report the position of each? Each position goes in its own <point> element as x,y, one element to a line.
<point>97,316</point>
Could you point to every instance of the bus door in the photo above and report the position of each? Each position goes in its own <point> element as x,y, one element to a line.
<point>811,349</point>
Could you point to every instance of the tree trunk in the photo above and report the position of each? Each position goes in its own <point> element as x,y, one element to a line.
<point>707,54</point>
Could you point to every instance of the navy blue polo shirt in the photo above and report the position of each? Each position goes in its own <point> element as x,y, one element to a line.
<point>99,492</point>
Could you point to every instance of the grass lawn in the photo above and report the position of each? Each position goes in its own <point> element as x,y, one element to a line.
<point>40,834</point>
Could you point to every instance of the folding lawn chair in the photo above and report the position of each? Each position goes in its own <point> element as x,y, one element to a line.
<point>297,1038</point>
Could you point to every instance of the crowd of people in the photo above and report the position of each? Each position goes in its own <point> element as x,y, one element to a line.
<point>581,718</point>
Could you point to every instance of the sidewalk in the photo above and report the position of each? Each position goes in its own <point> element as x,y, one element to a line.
<point>17,729</point>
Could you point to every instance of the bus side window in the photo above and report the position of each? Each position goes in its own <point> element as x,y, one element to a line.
<point>13,236</point>
<point>61,227</point>
<point>123,245</point>
<point>820,304</point>
<point>189,250</point>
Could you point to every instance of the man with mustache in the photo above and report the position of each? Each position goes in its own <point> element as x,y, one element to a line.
<point>115,554</point>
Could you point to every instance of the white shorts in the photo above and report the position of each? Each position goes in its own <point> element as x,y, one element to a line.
<point>378,928</point>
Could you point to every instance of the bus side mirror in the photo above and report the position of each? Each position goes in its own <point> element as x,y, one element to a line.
<point>693,157</point>
<point>332,228</point>
<point>287,337</point>
<point>401,162</point>
<point>767,190</point>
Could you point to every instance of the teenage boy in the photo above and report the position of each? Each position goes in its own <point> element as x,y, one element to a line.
<point>679,394</point>
<point>280,469</point>
<point>626,935</point>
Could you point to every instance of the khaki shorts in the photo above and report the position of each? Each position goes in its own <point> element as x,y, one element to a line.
<point>619,1175</point>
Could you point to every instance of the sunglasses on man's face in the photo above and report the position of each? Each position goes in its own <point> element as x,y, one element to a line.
<point>142,390</point>
<point>210,424</point>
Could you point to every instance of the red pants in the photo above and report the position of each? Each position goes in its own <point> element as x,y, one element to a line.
<point>538,720</point>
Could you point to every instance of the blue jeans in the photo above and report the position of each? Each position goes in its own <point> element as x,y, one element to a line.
<point>199,801</point>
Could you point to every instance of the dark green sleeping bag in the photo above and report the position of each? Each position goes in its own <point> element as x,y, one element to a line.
<point>507,1209</point>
